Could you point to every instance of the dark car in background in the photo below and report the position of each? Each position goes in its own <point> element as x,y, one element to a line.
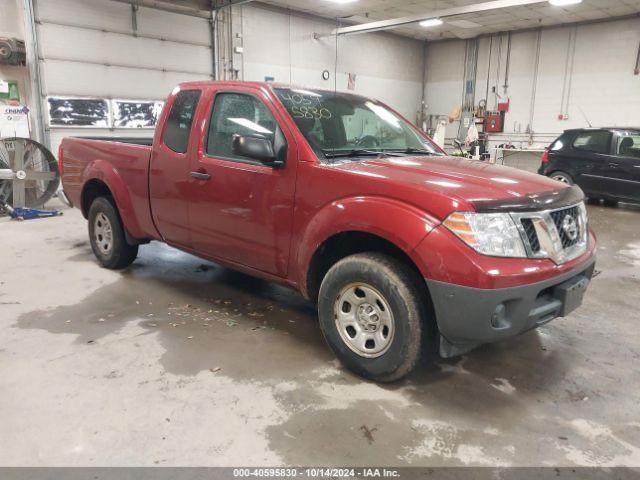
<point>604,162</point>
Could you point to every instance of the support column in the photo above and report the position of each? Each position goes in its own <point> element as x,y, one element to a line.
<point>38,110</point>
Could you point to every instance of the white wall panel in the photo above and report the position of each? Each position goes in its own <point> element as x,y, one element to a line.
<point>522,64</point>
<point>602,84</point>
<point>92,13</point>
<point>401,95</point>
<point>92,46</point>
<point>100,57</point>
<point>11,24</point>
<point>176,27</point>
<point>85,80</point>
<point>444,77</point>
<point>282,46</point>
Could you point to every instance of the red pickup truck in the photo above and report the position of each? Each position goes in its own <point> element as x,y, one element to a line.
<point>403,248</point>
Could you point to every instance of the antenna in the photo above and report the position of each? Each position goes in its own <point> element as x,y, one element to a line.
<point>585,116</point>
<point>335,65</point>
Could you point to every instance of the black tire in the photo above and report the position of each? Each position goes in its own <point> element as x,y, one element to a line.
<point>563,177</point>
<point>119,254</point>
<point>610,203</point>
<point>398,286</point>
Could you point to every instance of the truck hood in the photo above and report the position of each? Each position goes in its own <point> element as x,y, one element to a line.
<point>467,184</point>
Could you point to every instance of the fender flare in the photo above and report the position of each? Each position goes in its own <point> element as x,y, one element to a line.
<point>401,224</point>
<point>104,172</point>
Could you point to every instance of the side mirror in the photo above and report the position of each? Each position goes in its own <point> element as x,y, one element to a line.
<point>257,148</point>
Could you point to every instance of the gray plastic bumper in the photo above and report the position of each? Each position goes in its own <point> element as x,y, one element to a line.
<point>468,317</point>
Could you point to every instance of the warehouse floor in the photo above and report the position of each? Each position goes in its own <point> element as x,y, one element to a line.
<point>179,362</point>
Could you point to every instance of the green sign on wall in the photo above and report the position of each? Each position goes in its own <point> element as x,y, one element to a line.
<point>9,90</point>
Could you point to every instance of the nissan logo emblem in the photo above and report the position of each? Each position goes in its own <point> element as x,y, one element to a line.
<point>570,227</point>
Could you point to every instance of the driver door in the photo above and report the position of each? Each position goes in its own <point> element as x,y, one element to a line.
<point>241,209</point>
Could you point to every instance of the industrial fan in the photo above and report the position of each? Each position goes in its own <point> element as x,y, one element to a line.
<point>29,174</point>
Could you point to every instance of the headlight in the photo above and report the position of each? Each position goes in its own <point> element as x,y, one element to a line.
<point>493,234</point>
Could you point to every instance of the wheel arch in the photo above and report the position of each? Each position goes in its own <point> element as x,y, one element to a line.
<point>103,180</point>
<point>351,224</point>
<point>91,190</point>
<point>351,242</point>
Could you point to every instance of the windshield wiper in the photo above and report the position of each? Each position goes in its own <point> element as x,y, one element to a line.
<point>418,151</point>
<point>356,152</point>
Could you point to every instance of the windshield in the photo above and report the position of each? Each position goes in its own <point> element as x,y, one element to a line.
<point>343,125</point>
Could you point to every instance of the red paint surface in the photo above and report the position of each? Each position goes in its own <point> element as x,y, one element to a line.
<point>269,222</point>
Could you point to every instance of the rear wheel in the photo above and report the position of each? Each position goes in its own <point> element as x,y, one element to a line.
<point>372,315</point>
<point>610,203</point>
<point>107,237</point>
<point>562,177</point>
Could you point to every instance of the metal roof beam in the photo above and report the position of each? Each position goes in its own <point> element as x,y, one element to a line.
<point>447,12</point>
<point>168,7</point>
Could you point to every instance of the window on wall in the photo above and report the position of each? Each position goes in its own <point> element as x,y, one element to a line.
<point>103,113</point>
<point>136,113</point>
<point>237,114</point>
<point>596,141</point>
<point>178,128</point>
<point>78,112</point>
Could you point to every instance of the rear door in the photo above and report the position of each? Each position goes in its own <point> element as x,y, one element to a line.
<point>241,210</point>
<point>169,171</point>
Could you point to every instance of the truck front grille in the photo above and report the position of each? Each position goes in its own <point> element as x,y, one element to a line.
<point>560,235</point>
<point>532,236</point>
<point>558,219</point>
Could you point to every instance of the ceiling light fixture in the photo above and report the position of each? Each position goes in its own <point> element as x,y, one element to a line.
<point>342,1</point>
<point>431,22</point>
<point>562,3</point>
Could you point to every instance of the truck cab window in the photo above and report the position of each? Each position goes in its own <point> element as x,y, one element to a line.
<point>176,133</point>
<point>237,114</point>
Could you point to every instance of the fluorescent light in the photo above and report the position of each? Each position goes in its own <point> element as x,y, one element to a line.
<point>562,3</point>
<point>342,1</point>
<point>431,22</point>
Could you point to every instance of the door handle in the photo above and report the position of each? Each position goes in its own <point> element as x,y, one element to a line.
<point>201,175</point>
<point>614,165</point>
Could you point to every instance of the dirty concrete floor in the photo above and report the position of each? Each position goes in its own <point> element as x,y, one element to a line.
<point>179,362</point>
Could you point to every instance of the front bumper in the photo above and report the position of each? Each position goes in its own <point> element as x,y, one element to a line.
<point>468,317</point>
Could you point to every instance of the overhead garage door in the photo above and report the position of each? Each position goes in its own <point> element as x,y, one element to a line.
<point>99,50</point>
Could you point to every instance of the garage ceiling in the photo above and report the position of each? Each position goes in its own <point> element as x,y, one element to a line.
<point>463,26</point>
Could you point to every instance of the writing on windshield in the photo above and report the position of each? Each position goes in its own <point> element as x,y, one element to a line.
<point>345,125</point>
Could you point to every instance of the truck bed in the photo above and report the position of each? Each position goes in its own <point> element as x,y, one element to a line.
<point>128,169</point>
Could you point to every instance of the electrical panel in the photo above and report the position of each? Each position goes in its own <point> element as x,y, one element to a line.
<point>494,122</point>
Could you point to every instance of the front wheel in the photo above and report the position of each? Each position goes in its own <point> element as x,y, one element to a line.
<point>371,314</point>
<point>106,234</point>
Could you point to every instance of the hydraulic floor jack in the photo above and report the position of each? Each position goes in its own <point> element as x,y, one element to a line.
<point>27,213</point>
